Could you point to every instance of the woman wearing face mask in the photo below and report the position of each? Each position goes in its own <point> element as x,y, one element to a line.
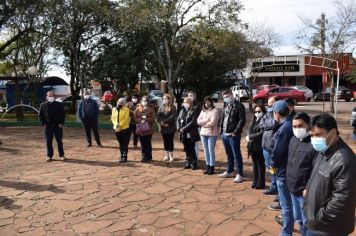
<point>188,129</point>
<point>208,120</point>
<point>144,116</point>
<point>166,116</point>
<point>132,106</point>
<point>254,148</point>
<point>120,118</point>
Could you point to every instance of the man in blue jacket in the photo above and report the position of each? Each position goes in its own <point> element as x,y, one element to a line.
<point>279,159</point>
<point>89,115</point>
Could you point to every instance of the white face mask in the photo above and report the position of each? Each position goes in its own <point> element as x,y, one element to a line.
<point>50,99</point>
<point>186,106</point>
<point>165,101</point>
<point>144,103</point>
<point>134,100</point>
<point>300,133</point>
<point>259,114</point>
<point>86,97</point>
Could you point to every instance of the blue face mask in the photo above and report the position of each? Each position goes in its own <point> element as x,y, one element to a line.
<point>319,144</point>
<point>227,100</point>
<point>269,109</point>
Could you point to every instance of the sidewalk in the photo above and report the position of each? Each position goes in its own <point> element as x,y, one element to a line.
<point>92,194</point>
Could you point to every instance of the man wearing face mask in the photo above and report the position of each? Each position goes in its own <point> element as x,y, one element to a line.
<point>268,124</point>
<point>300,164</point>
<point>233,121</point>
<point>51,115</point>
<point>89,114</point>
<point>279,159</point>
<point>330,196</point>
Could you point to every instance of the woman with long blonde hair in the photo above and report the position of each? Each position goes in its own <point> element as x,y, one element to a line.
<point>166,116</point>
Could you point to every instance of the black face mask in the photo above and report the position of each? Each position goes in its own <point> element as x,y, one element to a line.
<point>119,106</point>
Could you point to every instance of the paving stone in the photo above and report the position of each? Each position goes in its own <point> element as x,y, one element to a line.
<point>252,229</point>
<point>229,227</point>
<point>109,208</point>
<point>215,218</point>
<point>158,189</point>
<point>121,225</point>
<point>66,205</point>
<point>91,226</point>
<point>194,216</point>
<point>193,229</point>
<point>36,232</point>
<point>4,214</point>
<point>7,221</point>
<point>7,231</point>
<point>147,219</point>
<point>163,222</point>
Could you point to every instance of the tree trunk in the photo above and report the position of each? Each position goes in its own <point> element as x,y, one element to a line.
<point>333,93</point>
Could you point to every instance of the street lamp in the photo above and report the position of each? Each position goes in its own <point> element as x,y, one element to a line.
<point>32,71</point>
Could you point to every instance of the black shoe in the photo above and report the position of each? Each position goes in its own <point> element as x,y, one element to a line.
<point>253,185</point>
<point>124,158</point>
<point>89,145</point>
<point>99,145</point>
<point>279,219</point>
<point>275,207</point>
<point>194,165</point>
<point>207,168</point>
<point>262,186</point>
<point>211,170</point>
<point>269,192</point>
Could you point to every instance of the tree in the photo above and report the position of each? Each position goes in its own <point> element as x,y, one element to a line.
<point>168,22</point>
<point>81,30</point>
<point>330,39</point>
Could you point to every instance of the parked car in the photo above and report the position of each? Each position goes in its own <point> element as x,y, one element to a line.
<point>266,87</point>
<point>155,100</point>
<point>240,92</point>
<point>157,93</point>
<point>67,101</point>
<point>343,93</point>
<point>308,92</point>
<point>282,92</point>
<point>107,96</point>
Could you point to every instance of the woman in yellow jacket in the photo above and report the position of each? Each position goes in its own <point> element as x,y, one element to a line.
<point>120,117</point>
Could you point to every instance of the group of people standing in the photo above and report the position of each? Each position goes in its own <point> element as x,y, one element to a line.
<point>312,169</point>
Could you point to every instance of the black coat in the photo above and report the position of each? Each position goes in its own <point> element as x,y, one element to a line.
<point>236,118</point>
<point>301,155</point>
<point>331,192</point>
<point>255,135</point>
<point>353,119</point>
<point>167,117</point>
<point>187,120</point>
<point>51,113</point>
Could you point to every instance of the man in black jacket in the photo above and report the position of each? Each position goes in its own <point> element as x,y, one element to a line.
<point>301,155</point>
<point>52,117</point>
<point>331,191</point>
<point>88,112</point>
<point>233,121</point>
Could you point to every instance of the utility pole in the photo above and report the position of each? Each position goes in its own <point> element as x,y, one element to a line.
<point>322,22</point>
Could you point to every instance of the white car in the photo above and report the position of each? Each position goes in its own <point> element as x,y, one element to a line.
<point>307,92</point>
<point>240,92</point>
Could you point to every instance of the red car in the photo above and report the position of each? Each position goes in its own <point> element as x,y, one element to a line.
<point>282,92</point>
<point>107,96</point>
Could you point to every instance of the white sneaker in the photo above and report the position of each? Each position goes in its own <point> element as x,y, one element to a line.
<point>62,158</point>
<point>166,156</point>
<point>171,159</point>
<point>238,179</point>
<point>226,175</point>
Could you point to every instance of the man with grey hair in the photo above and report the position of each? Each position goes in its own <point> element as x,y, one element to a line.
<point>51,115</point>
<point>88,112</point>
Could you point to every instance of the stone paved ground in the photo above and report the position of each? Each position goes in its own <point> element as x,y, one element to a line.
<point>91,194</point>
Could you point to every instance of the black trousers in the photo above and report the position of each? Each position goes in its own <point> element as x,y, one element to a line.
<point>146,146</point>
<point>123,137</point>
<point>259,168</point>
<point>189,148</point>
<point>50,131</point>
<point>91,124</point>
<point>133,132</point>
<point>168,142</point>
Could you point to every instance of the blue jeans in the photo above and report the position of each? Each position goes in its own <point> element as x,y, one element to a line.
<point>233,152</point>
<point>50,131</point>
<point>209,149</point>
<point>285,201</point>
<point>267,157</point>
<point>299,216</point>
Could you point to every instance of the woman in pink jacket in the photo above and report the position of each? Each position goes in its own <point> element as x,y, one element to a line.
<point>208,120</point>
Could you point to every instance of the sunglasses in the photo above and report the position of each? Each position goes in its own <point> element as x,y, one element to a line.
<point>258,111</point>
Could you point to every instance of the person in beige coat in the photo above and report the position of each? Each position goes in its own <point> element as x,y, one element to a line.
<point>208,120</point>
